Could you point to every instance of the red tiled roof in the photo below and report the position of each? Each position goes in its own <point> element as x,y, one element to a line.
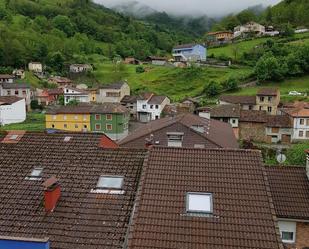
<point>81,219</point>
<point>243,216</point>
<point>217,132</point>
<point>253,116</point>
<point>222,111</point>
<point>289,186</point>
<point>268,92</point>
<point>250,100</point>
<point>281,121</point>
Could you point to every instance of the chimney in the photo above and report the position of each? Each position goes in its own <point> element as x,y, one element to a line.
<point>307,162</point>
<point>52,194</point>
<point>149,141</point>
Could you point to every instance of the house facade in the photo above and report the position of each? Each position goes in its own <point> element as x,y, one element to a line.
<point>48,96</point>
<point>130,102</point>
<point>21,90</point>
<point>12,110</point>
<point>113,93</point>
<point>19,73</point>
<point>219,37</point>
<point>249,28</point>
<point>156,60</point>
<point>60,81</point>
<point>150,107</point>
<point>279,129</point>
<point>75,94</point>
<point>6,78</point>
<point>80,68</point>
<point>189,53</point>
<point>268,99</point>
<point>35,67</point>
<point>109,118</point>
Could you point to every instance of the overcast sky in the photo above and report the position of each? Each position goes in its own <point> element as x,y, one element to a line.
<point>208,7</point>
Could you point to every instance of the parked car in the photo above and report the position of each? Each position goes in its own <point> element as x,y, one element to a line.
<point>294,93</point>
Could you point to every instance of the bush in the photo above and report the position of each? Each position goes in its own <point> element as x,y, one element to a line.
<point>35,105</point>
<point>296,155</point>
<point>140,69</point>
<point>212,89</point>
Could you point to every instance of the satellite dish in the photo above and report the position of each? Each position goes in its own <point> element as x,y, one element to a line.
<point>281,158</point>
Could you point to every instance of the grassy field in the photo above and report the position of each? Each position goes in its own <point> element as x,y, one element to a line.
<point>34,122</point>
<point>300,84</point>
<point>177,83</point>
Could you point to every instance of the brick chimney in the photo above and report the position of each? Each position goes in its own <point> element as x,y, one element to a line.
<point>307,162</point>
<point>52,193</point>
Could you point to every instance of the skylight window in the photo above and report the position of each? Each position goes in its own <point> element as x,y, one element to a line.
<point>35,174</point>
<point>199,203</point>
<point>110,182</point>
<point>67,139</point>
<point>13,137</point>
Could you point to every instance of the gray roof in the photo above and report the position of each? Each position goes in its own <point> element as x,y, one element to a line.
<point>116,85</point>
<point>156,99</point>
<point>15,86</point>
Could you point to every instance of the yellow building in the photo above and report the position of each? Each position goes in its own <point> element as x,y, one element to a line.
<point>69,118</point>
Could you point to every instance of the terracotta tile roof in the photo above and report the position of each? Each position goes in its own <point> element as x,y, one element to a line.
<point>229,111</point>
<point>81,219</point>
<point>281,121</point>
<point>8,100</point>
<point>15,86</point>
<point>156,100</point>
<point>129,99</point>
<point>298,112</point>
<point>289,186</point>
<point>56,91</point>
<point>116,85</point>
<point>6,76</point>
<point>89,109</point>
<point>215,131</point>
<point>268,92</point>
<point>253,116</point>
<point>233,99</point>
<point>243,216</point>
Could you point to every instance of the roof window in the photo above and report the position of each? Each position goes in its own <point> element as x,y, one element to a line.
<point>36,174</point>
<point>13,137</point>
<point>109,185</point>
<point>67,139</point>
<point>199,203</point>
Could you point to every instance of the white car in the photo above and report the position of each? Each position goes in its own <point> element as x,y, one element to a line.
<point>294,93</point>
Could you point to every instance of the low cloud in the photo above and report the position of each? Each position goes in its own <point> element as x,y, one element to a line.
<point>195,7</point>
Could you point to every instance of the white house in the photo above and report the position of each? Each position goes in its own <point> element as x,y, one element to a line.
<point>12,110</point>
<point>36,67</point>
<point>113,93</point>
<point>250,27</point>
<point>6,78</point>
<point>150,107</point>
<point>300,121</point>
<point>21,90</point>
<point>80,68</point>
<point>71,93</point>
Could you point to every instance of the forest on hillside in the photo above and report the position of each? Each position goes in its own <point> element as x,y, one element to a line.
<point>63,31</point>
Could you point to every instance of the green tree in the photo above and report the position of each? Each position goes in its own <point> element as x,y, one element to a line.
<point>64,24</point>
<point>269,68</point>
<point>212,89</point>
<point>296,154</point>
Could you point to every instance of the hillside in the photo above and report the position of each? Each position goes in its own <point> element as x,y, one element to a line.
<point>60,32</point>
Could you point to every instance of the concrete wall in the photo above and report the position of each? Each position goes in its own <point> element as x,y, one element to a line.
<point>15,113</point>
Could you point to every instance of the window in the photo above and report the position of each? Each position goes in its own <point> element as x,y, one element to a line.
<point>64,117</point>
<point>97,117</point>
<point>97,127</point>
<point>53,126</point>
<point>250,107</point>
<point>199,203</point>
<point>144,107</point>
<point>269,99</point>
<point>287,237</point>
<point>262,99</point>
<point>301,121</point>
<point>157,117</point>
<point>157,106</point>
<point>260,108</point>
<point>307,133</point>
<point>85,127</point>
<point>174,139</point>
<point>13,137</point>
<point>35,174</point>
<point>54,117</point>
<point>110,182</point>
<point>269,109</point>
<point>9,92</point>
<point>75,117</point>
<point>16,92</point>
<point>198,128</point>
<point>85,117</point>
<point>24,92</point>
<point>199,146</point>
<point>67,139</point>
<point>151,106</point>
<point>233,121</point>
<point>301,133</point>
<point>109,117</point>
<point>76,126</point>
<point>307,122</point>
<point>109,127</point>
<point>65,126</point>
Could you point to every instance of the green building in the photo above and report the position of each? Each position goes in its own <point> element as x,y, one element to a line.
<point>111,119</point>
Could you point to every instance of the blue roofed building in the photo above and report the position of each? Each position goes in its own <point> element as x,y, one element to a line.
<point>189,53</point>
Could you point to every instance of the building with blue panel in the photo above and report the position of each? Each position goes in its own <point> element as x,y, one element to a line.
<point>190,53</point>
<point>7,242</point>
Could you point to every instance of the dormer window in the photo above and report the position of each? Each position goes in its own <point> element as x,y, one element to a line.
<point>13,137</point>
<point>200,203</point>
<point>109,185</point>
<point>67,139</point>
<point>174,139</point>
<point>35,175</point>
